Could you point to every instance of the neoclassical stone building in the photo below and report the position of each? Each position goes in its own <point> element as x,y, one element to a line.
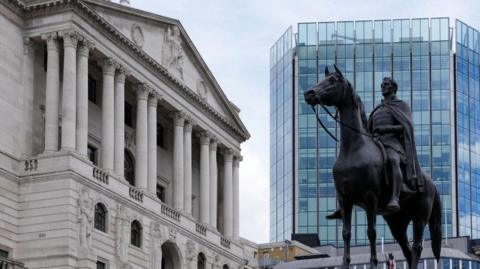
<point>118,148</point>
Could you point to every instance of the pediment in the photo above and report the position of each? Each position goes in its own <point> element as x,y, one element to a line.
<point>166,41</point>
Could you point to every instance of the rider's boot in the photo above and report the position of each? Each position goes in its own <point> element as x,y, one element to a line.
<point>335,215</point>
<point>394,205</point>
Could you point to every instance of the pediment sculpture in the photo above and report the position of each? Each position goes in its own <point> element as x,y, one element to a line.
<point>172,52</point>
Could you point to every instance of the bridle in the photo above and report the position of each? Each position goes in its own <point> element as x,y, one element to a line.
<point>338,121</point>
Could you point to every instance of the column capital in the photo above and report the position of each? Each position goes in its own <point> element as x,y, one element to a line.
<point>28,47</point>
<point>213,143</point>
<point>70,38</point>
<point>237,158</point>
<point>108,66</point>
<point>179,118</point>
<point>188,126</point>
<point>205,137</point>
<point>52,41</point>
<point>84,47</point>
<point>228,154</point>
<point>153,98</point>
<point>142,91</point>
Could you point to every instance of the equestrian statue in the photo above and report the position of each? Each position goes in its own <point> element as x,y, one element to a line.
<point>377,168</point>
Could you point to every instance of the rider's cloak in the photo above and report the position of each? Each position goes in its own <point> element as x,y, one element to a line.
<point>401,112</point>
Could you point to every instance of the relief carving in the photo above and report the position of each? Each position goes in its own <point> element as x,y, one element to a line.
<point>137,35</point>
<point>85,218</point>
<point>172,53</point>
<point>158,235</point>
<point>123,234</point>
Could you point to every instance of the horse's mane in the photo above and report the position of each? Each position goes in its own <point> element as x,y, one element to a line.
<point>357,101</point>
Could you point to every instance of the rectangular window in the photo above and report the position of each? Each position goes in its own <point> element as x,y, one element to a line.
<point>3,253</point>
<point>92,154</point>
<point>101,265</point>
<point>128,114</point>
<point>161,192</point>
<point>92,90</point>
<point>160,136</point>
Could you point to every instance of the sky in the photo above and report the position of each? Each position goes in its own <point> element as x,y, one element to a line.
<point>234,38</point>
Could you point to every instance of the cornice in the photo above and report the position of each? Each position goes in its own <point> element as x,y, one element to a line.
<point>53,6</point>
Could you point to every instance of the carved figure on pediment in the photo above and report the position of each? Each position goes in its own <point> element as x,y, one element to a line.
<point>137,35</point>
<point>172,53</point>
<point>123,234</point>
<point>202,89</point>
<point>158,236</point>
<point>85,218</point>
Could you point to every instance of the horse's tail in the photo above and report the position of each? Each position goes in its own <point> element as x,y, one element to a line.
<point>435,225</point>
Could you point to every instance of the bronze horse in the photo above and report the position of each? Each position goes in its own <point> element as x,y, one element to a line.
<point>359,178</point>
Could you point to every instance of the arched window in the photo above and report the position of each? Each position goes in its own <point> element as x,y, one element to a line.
<point>100,217</point>
<point>129,167</point>
<point>201,261</point>
<point>225,266</point>
<point>136,234</point>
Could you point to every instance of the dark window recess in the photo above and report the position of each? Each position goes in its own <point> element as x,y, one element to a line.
<point>92,154</point>
<point>100,217</point>
<point>161,192</point>
<point>92,90</point>
<point>160,136</point>
<point>136,232</point>
<point>129,114</point>
<point>129,167</point>
<point>3,253</point>
<point>101,265</point>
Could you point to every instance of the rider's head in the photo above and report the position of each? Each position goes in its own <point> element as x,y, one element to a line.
<point>389,87</point>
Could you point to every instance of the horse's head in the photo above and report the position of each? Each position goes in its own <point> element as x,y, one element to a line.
<point>330,91</point>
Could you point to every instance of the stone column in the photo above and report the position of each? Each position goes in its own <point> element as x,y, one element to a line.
<point>69,102</point>
<point>228,195</point>
<point>108,114</point>
<point>152,142</point>
<point>205,178</point>
<point>141,135</point>
<point>28,88</point>
<point>213,183</point>
<point>52,93</point>
<point>236,189</point>
<point>82,97</point>
<point>178,161</point>
<point>119,122</point>
<point>187,157</point>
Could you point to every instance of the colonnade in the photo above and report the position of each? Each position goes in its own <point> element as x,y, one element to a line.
<point>74,132</point>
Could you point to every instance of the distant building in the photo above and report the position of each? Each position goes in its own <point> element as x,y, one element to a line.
<point>271,254</point>
<point>458,254</point>
<point>436,64</point>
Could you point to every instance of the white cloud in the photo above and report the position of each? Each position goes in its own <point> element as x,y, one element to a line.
<point>234,38</point>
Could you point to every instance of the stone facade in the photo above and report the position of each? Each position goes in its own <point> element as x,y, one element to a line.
<point>118,147</point>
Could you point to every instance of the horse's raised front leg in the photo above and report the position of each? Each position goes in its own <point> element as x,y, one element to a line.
<point>371,210</point>
<point>418,227</point>
<point>347,226</point>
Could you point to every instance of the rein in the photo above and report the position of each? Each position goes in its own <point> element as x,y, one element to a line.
<point>339,122</point>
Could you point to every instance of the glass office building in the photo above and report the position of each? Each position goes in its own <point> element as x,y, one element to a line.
<point>436,65</point>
